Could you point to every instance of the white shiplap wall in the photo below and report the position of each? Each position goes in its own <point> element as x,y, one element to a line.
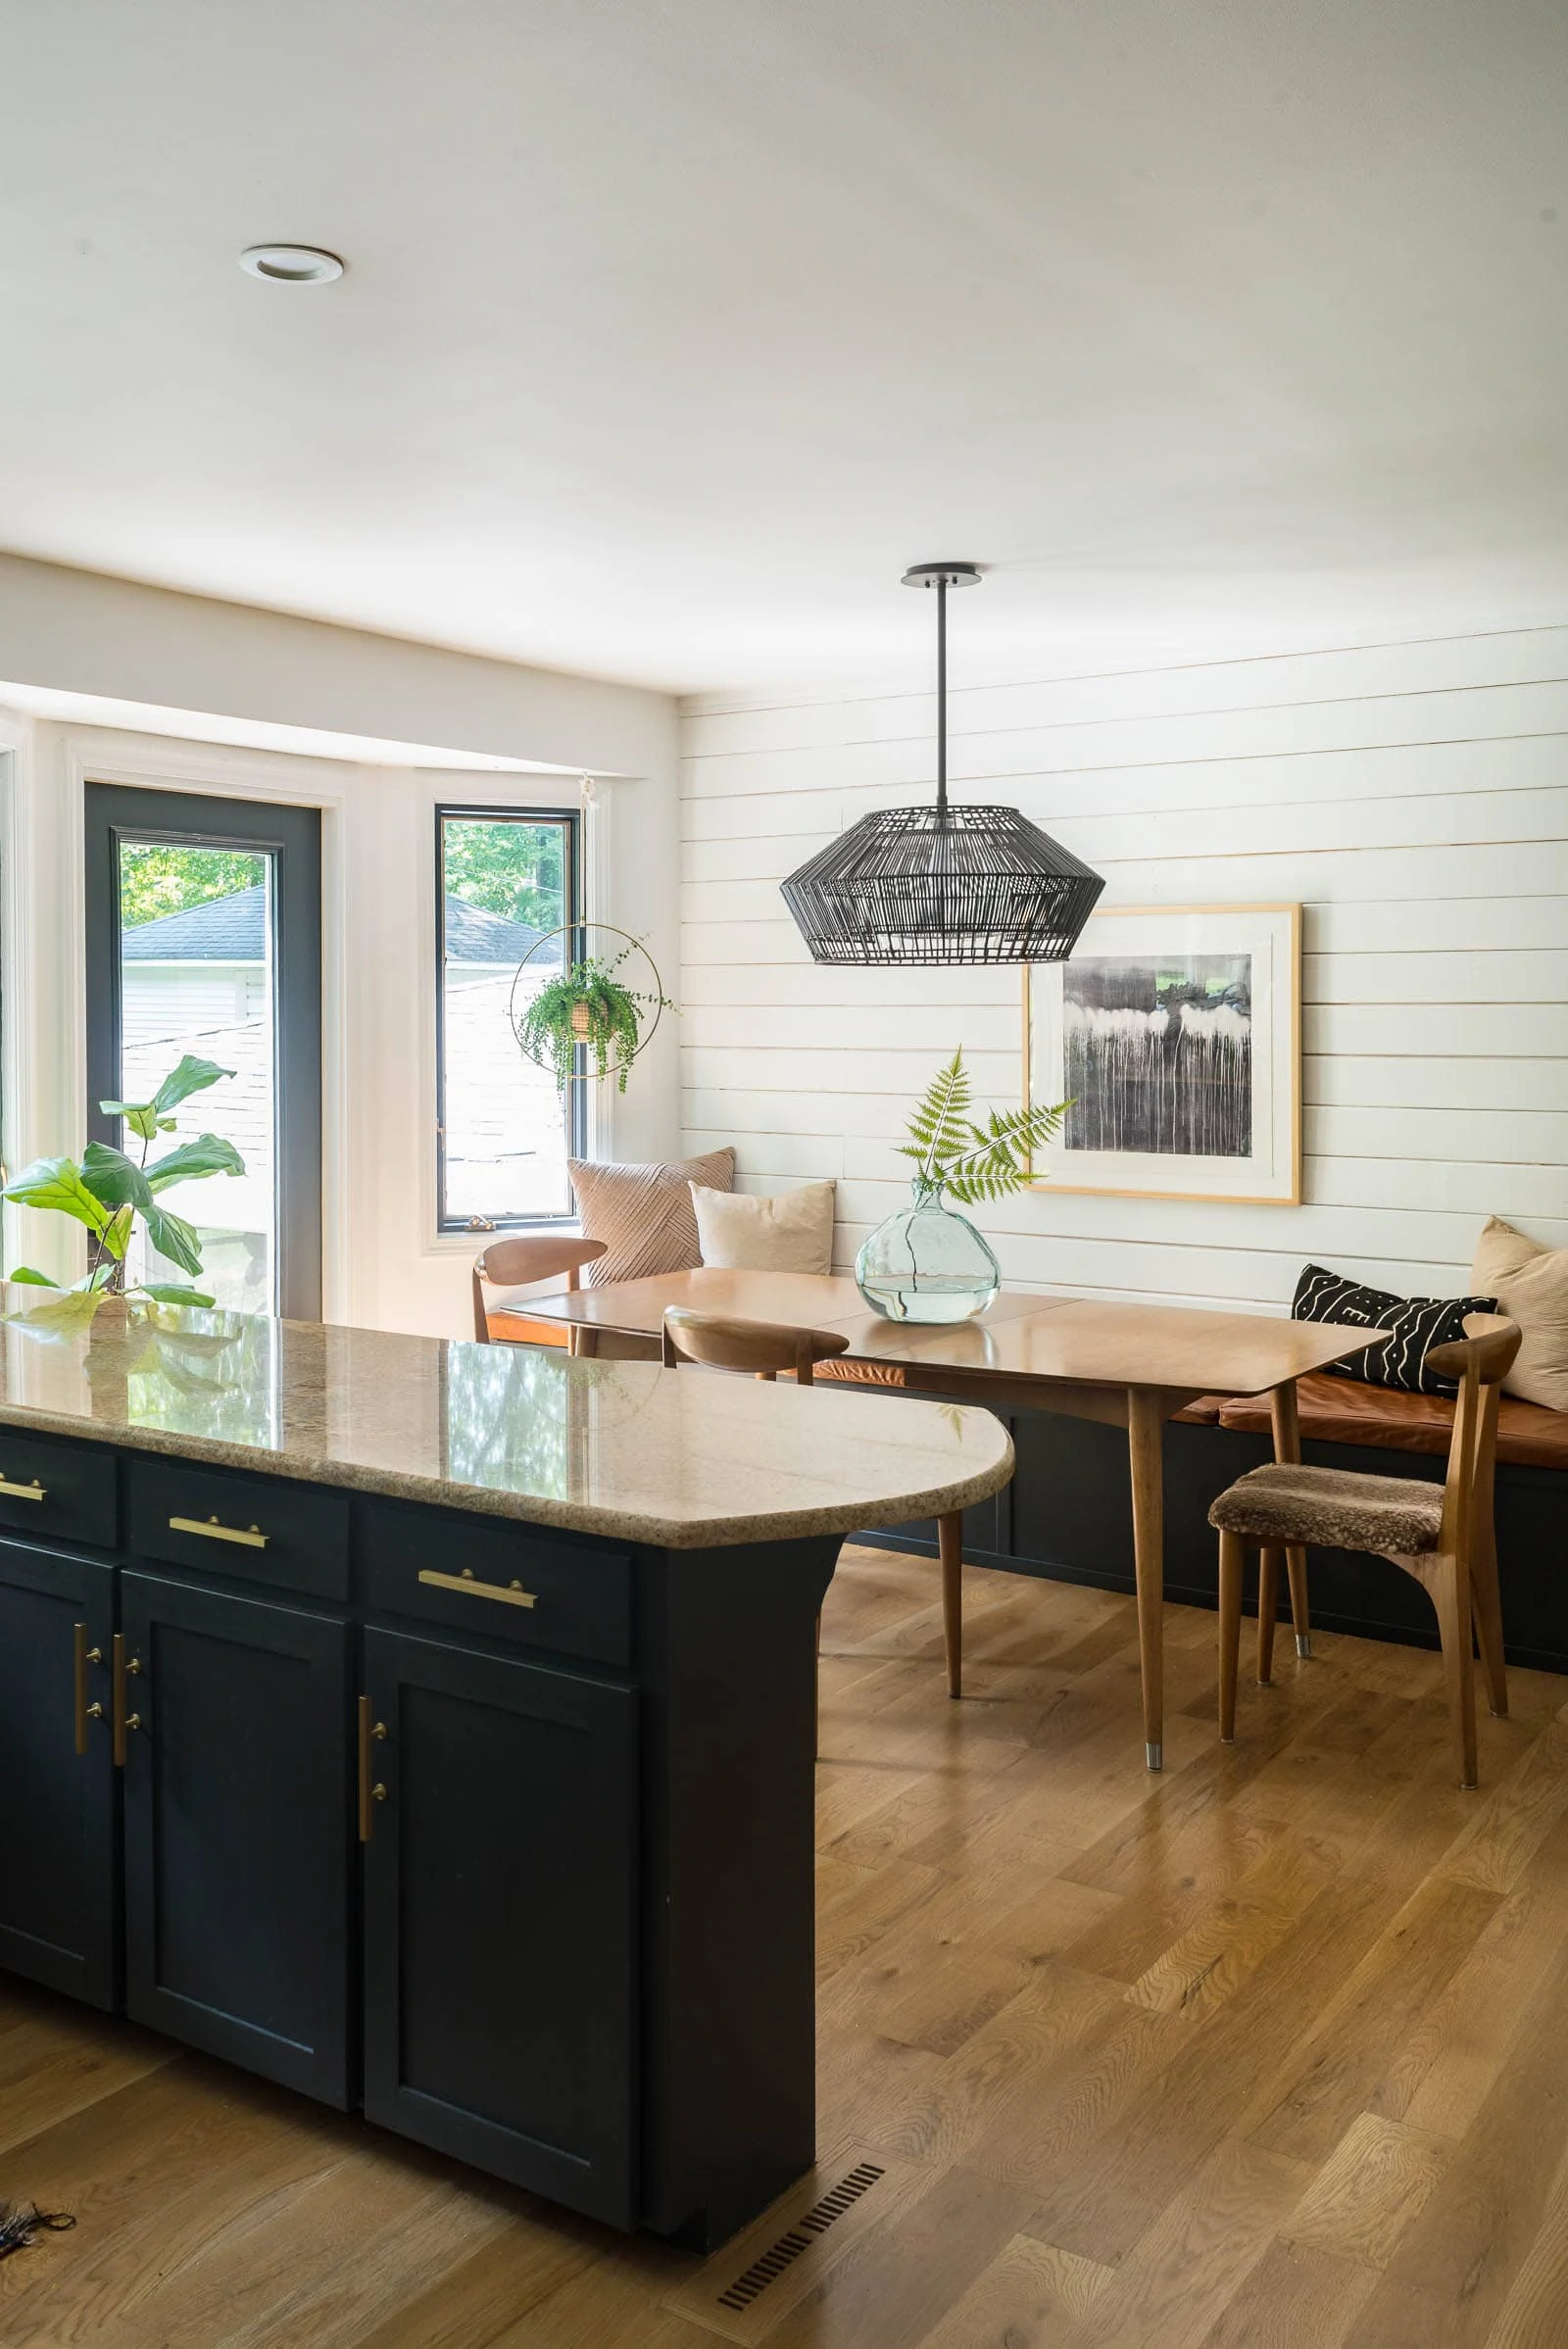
<point>1412,797</point>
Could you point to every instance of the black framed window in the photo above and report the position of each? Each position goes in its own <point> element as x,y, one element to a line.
<point>508,899</point>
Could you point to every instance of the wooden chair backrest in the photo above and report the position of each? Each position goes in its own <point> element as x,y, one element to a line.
<point>764,1347</point>
<point>527,1256</point>
<point>1480,1360</point>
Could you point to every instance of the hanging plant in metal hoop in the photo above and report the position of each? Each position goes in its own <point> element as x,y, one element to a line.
<point>585,1021</point>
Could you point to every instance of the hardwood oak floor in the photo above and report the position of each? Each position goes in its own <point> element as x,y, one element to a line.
<point>1271,2053</point>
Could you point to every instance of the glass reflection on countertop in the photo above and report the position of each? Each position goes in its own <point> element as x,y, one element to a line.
<point>497,1418</point>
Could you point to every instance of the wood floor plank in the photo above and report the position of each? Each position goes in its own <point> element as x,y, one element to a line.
<point>1374,2184</point>
<point>1026,2298</point>
<point>1266,2053</point>
<point>1294,2298</point>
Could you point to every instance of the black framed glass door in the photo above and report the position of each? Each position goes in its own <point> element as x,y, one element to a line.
<point>204,937</point>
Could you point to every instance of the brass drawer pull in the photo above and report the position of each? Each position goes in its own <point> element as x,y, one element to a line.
<point>81,1656</point>
<point>515,1596</point>
<point>371,1790</point>
<point>211,1530</point>
<point>122,1668</point>
<point>33,1491</point>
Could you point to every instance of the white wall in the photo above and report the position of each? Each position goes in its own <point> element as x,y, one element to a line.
<point>1413,797</point>
<point>384,1265</point>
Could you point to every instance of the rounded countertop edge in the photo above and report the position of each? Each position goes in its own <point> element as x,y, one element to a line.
<point>605,1524</point>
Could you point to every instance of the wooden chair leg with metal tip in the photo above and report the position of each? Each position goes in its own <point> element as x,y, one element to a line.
<point>1300,1620</point>
<point>949,1544</point>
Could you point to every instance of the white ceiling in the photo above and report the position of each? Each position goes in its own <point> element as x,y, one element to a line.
<point>673,329</point>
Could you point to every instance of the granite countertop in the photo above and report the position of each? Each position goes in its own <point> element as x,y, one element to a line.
<point>684,1460</point>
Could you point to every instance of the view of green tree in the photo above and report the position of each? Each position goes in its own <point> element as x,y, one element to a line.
<point>508,867</point>
<point>157,878</point>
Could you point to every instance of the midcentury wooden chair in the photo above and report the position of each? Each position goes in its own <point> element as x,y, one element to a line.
<point>765,1349</point>
<point>1441,1533</point>
<point>529,1256</point>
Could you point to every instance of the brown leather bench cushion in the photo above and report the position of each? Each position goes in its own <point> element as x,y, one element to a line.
<point>1347,1411</point>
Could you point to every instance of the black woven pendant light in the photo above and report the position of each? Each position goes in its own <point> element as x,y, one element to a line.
<point>942,884</point>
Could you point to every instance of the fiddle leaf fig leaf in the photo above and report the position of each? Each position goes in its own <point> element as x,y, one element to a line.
<point>114,1178</point>
<point>56,1184</point>
<point>25,1277</point>
<point>171,1293</point>
<point>140,1116</point>
<point>208,1154</point>
<point>174,1238</point>
<point>192,1075</point>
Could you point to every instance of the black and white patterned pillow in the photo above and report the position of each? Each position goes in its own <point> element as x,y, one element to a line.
<point>1415,1325</point>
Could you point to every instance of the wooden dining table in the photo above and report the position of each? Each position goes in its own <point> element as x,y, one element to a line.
<point>1127,1365</point>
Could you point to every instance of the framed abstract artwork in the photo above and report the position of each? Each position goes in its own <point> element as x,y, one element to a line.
<point>1175,1034</point>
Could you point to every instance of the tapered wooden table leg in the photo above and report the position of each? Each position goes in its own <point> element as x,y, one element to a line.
<point>949,1544</point>
<point>1288,1446</point>
<point>1145,1421</point>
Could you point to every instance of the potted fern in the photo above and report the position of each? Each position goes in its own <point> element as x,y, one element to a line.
<point>588,1009</point>
<point>925,1263</point>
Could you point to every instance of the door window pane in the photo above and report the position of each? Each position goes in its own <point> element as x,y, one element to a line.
<point>197,975</point>
<point>506,882</point>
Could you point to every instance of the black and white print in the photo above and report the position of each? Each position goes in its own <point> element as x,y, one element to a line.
<point>1159,1055</point>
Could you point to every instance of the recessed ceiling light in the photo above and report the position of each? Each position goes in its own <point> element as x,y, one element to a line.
<point>291,265</point>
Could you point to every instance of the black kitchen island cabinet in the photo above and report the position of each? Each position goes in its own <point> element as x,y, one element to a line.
<point>445,1747</point>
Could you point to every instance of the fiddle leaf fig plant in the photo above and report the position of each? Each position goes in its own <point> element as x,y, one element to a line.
<point>587,1005</point>
<point>975,1161</point>
<point>107,1190</point>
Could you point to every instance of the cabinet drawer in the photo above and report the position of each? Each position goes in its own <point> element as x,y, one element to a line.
<point>251,1529</point>
<point>63,1491</point>
<point>506,1581</point>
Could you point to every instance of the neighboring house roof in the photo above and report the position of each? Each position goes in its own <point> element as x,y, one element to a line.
<point>230,929</point>
<point>233,929</point>
<point>474,935</point>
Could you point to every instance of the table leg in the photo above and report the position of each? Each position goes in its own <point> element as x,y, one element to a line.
<point>1146,1423</point>
<point>1288,1447</point>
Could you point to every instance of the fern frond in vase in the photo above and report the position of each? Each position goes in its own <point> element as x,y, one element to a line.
<point>925,1263</point>
<point>973,1161</point>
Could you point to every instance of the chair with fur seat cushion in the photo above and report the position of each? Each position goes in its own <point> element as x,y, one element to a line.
<point>1334,1508</point>
<point>1441,1535</point>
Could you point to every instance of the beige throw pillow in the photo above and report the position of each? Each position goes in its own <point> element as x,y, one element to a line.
<point>793,1233</point>
<point>1530,1285</point>
<point>644,1214</point>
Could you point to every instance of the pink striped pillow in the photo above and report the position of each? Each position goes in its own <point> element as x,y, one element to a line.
<point>644,1214</point>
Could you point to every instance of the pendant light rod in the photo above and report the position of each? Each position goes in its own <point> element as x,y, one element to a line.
<point>942,701</point>
<point>942,576</point>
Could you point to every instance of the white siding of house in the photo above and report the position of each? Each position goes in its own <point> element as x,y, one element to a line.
<point>1414,798</point>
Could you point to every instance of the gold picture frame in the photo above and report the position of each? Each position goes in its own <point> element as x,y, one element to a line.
<point>1065,1028</point>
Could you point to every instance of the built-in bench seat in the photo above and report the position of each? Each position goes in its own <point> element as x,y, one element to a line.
<point>1348,1411</point>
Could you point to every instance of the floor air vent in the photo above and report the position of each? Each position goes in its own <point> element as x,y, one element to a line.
<point>748,2289</point>
<point>801,2237</point>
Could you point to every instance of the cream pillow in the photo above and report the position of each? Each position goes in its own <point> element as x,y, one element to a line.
<point>1530,1285</point>
<point>793,1233</point>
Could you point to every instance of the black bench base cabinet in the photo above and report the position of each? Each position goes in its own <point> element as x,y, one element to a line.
<point>563,1927</point>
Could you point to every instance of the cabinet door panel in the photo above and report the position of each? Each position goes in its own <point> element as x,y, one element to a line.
<point>500,1900</point>
<point>237,1868</point>
<point>56,1807</point>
